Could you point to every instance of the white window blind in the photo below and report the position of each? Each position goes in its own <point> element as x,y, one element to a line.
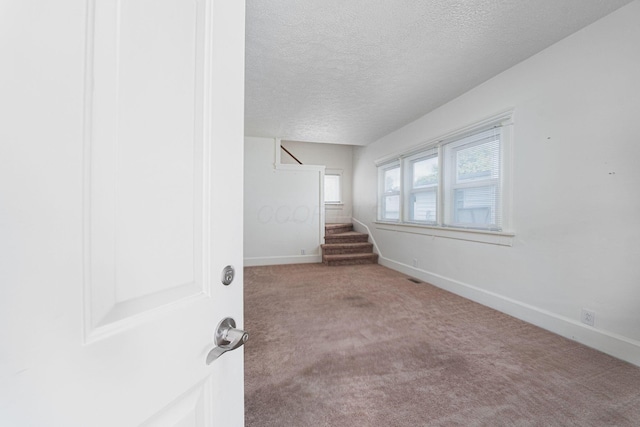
<point>389,182</point>
<point>456,182</point>
<point>332,188</point>
<point>421,187</point>
<point>472,196</point>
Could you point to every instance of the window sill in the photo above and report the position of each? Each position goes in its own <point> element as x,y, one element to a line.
<point>334,205</point>
<point>480,236</point>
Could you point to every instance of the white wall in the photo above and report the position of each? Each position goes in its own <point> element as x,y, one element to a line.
<point>283,213</point>
<point>576,203</point>
<point>334,157</point>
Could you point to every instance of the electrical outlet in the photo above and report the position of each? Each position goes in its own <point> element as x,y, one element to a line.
<point>302,251</point>
<point>415,262</point>
<point>588,317</point>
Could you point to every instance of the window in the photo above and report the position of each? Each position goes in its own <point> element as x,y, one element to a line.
<point>473,185</point>
<point>389,183</point>
<point>422,187</point>
<point>333,188</point>
<point>457,182</point>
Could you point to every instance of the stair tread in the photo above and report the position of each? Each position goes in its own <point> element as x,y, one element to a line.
<point>346,245</point>
<point>349,237</point>
<point>351,256</point>
<point>332,229</point>
<point>338,225</point>
<point>348,233</point>
<point>350,259</point>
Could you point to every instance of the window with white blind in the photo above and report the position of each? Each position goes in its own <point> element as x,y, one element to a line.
<point>472,190</point>
<point>421,184</point>
<point>457,182</point>
<point>389,190</point>
<point>333,188</point>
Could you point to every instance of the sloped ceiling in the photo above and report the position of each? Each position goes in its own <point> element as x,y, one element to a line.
<point>351,71</point>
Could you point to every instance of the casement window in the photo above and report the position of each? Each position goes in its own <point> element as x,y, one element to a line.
<point>456,182</point>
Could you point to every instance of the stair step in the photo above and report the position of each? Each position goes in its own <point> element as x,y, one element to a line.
<point>348,237</point>
<point>337,228</point>
<point>346,248</point>
<point>350,259</point>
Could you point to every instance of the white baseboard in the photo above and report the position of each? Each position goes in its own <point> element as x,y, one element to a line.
<point>278,260</point>
<point>607,342</point>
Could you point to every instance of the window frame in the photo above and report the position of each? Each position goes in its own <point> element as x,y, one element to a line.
<point>450,149</point>
<point>383,195</point>
<point>411,190</point>
<point>443,226</point>
<point>333,172</point>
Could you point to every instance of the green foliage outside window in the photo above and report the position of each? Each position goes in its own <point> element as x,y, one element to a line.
<point>476,162</point>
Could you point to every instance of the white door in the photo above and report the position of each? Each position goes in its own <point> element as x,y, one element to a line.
<point>121,151</point>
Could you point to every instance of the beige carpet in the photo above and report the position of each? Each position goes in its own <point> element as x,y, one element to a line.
<point>363,346</point>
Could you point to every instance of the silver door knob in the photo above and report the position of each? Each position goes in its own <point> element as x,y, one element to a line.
<point>226,338</point>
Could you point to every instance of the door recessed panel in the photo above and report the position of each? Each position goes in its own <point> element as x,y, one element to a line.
<point>188,410</point>
<point>145,178</point>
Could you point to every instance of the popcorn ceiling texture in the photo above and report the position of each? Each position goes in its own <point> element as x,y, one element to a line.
<point>353,71</point>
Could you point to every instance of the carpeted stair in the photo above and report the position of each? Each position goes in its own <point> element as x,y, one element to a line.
<point>343,246</point>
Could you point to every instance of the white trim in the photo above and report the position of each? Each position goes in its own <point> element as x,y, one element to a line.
<point>471,235</point>
<point>502,208</point>
<point>334,207</point>
<point>382,169</point>
<point>277,144</point>
<point>334,172</point>
<point>279,260</point>
<point>605,341</point>
<point>408,186</point>
<point>292,167</point>
<point>503,118</point>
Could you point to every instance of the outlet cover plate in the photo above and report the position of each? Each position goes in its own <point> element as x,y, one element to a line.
<point>588,317</point>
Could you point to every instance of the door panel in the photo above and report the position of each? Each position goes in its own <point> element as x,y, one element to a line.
<point>188,410</point>
<point>117,215</point>
<point>145,170</point>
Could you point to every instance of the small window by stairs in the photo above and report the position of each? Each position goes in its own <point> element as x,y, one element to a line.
<point>343,246</point>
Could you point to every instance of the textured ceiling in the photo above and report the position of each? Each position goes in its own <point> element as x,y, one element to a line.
<point>351,71</point>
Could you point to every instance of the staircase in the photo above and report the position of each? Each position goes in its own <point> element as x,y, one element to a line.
<point>343,246</point>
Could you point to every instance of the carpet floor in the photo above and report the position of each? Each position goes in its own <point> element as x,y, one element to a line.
<point>363,346</point>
